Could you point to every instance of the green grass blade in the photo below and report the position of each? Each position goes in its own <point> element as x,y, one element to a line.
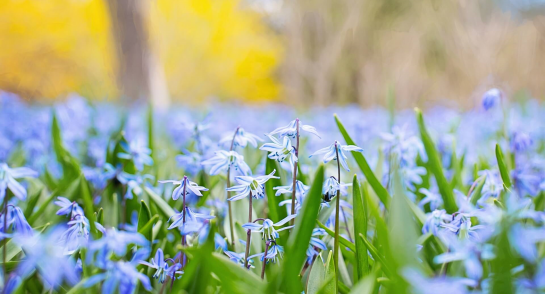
<point>381,192</point>
<point>144,216</point>
<point>163,206</point>
<point>275,212</point>
<point>436,166</point>
<point>360,227</point>
<point>504,171</point>
<point>299,239</point>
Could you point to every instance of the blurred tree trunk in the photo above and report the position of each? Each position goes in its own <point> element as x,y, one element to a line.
<point>140,74</point>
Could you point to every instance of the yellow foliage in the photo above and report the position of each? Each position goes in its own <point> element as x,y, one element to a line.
<point>211,47</point>
<point>49,48</point>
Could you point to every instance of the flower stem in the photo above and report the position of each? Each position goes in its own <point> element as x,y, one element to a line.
<point>265,259</point>
<point>346,224</point>
<point>295,167</point>
<point>248,234</point>
<point>185,182</point>
<point>229,193</point>
<point>337,207</point>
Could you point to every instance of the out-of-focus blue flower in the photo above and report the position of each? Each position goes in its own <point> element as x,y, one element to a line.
<point>526,181</point>
<point>405,146</point>
<point>238,258</point>
<point>535,284</point>
<point>524,239</point>
<point>44,253</point>
<point>280,151</point>
<point>433,198</point>
<point>77,234</point>
<point>267,227</point>
<point>291,129</point>
<point>491,98</point>
<point>220,242</point>
<point>492,187</point>
<point>241,139</point>
<point>445,285</point>
<point>343,216</point>
<point>191,162</point>
<point>412,175</point>
<point>100,175</point>
<point>223,160</point>
<point>8,178</point>
<point>274,253</point>
<point>300,189</point>
<point>13,283</point>
<point>133,183</point>
<point>67,207</point>
<point>191,219</point>
<point>253,185</point>
<point>330,153</point>
<point>316,243</point>
<point>520,142</point>
<point>138,153</point>
<point>185,183</point>
<point>20,224</point>
<point>461,226</point>
<point>434,221</point>
<point>331,186</point>
<point>121,275</point>
<point>115,242</point>
<point>163,269</point>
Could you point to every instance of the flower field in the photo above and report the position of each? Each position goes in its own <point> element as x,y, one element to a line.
<point>269,199</point>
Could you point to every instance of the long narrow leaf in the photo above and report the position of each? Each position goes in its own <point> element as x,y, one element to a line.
<point>360,227</point>
<point>504,171</point>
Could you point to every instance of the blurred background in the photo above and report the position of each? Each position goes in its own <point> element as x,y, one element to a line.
<point>298,52</point>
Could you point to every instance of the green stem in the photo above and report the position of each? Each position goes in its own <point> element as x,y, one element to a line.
<point>248,234</point>
<point>265,259</point>
<point>295,167</point>
<point>337,208</point>
<point>229,193</point>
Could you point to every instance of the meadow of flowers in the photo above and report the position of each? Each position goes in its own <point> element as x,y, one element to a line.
<point>267,199</point>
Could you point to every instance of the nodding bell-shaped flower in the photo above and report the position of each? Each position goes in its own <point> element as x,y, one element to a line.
<point>223,160</point>
<point>241,139</point>
<point>316,243</point>
<point>331,186</point>
<point>253,185</point>
<point>7,180</point>
<point>274,253</point>
<point>190,187</point>
<point>191,218</point>
<point>68,207</point>
<point>291,129</point>
<point>163,269</point>
<point>238,258</point>
<point>330,153</point>
<point>279,151</point>
<point>267,227</point>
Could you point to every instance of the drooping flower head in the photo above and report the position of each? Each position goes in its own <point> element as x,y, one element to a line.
<point>267,228</point>
<point>250,185</point>
<point>330,153</point>
<point>8,178</point>
<point>163,269</point>
<point>291,129</point>
<point>223,160</point>
<point>187,185</point>
<point>241,138</point>
<point>280,151</point>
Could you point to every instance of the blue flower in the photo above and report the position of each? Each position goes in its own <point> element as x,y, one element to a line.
<point>491,98</point>
<point>520,142</point>
<point>316,243</point>
<point>77,234</point>
<point>44,253</point>
<point>120,275</point>
<point>238,258</point>
<point>280,151</point>
<point>524,240</point>
<point>133,183</point>
<point>193,220</point>
<point>162,267</point>
<point>185,183</point>
<point>433,198</point>
<point>139,154</point>
<point>190,161</point>
<point>115,242</point>
<point>8,178</point>
<point>300,189</point>
<point>220,242</point>
<point>241,139</point>
<point>291,129</point>
<point>223,160</point>
<point>492,187</point>
<point>434,221</point>
<point>253,185</point>
<point>274,253</point>
<point>267,227</point>
<point>67,207</point>
<point>470,253</point>
<point>331,186</point>
<point>406,147</point>
<point>330,153</point>
<point>448,285</point>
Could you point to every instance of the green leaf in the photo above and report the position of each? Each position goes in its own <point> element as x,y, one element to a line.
<point>304,224</point>
<point>434,162</point>
<point>234,278</point>
<point>275,213</point>
<point>146,229</point>
<point>100,216</point>
<point>161,203</point>
<point>381,192</point>
<point>144,216</point>
<point>477,192</point>
<point>502,264</point>
<point>41,209</point>
<point>365,286</point>
<point>327,283</point>
<point>70,167</point>
<point>342,239</point>
<point>32,200</point>
<point>88,201</point>
<point>360,227</point>
<point>376,255</point>
<point>504,171</point>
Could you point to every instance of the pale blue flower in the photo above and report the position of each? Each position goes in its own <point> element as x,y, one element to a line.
<point>470,253</point>
<point>291,129</point>
<point>520,142</point>
<point>267,228</point>
<point>444,285</point>
<point>330,153</point>
<point>241,139</point>
<point>300,189</point>
<point>331,186</point>
<point>17,218</point>
<point>316,243</point>
<point>133,183</point>
<point>8,178</point>
<point>274,253</point>
<point>433,198</point>
<point>191,219</point>
<point>163,270</point>
<point>238,258</point>
<point>491,98</point>
<point>113,242</point>
<point>435,221</point>
<point>191,162</point>
<point>219,242</point>
<point>185,183</point>
<point>67,207</point>
<point>223,160</point>
<point>253,185</point>
<point>137,152</point>
<point>524,240</point>
<point>279,151</point>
